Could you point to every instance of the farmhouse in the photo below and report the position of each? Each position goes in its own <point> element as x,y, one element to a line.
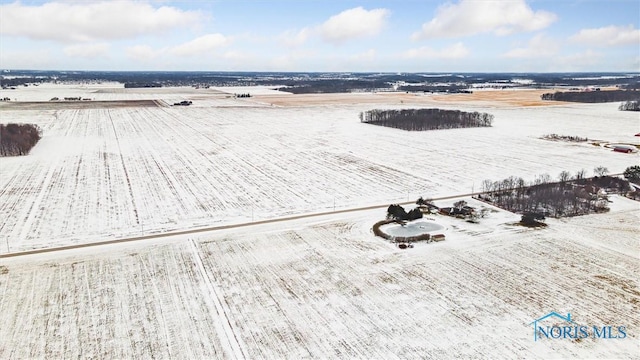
<point>455,211</point>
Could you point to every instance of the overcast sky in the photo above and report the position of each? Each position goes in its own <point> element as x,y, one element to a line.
<point>322,35</point>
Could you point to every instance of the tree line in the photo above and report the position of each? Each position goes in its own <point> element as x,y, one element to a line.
<point>436,88</point>
<point>323,86</point>
<point>425,119</point>
<point>18,139</point>
<point>592,96</point>
<point>568,196</point>
<point>569,138</point>
<point>630,106</point>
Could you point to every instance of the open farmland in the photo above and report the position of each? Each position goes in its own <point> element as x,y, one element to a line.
<point>308,288</point>
<point>331,289</point>
<point>102,173</point>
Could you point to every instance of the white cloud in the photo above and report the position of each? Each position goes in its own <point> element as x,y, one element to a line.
<point>200,45</point>
<point>352,24</point>
<point>348,25</point>
<point>367,56</point>
<point>469,17</point>
<point>89,51</point>
<point>538,47</point>
<point>91,21</point>
<point>31,59</point>
<point>142,53</point>
<point>236,55</point>
<point>586,60</point>
<point>608,36</point>
<point>293,60</point>
<point>292,38</point>
<point>455,51</point>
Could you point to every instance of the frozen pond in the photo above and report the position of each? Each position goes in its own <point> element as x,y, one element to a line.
<point>414,228</point>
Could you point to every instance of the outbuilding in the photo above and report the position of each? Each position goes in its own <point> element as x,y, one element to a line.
<point>625,149</point>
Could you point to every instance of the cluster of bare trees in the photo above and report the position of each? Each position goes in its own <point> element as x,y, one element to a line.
<point>426,119</point>
<point>569,196</point>
<point>630,106</point>
<point>18,139</point>
<point>569,138</point>
<point>592,96</point>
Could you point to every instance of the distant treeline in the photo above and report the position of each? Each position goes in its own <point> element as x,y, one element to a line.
<point>18,139</point>
<point>592,96</point>
<point>141,85</point>
<point>426,119</point>
<point>334,86</point>
<point>630,106</point>
<point>351,81</point>
<point>453,88</point>
<point>634,85</point>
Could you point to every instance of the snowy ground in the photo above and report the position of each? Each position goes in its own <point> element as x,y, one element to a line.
<point>106,173</point>
<point>321,287</point>
<point>329,288</point>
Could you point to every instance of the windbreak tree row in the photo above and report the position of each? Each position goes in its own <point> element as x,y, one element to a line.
<point>570,196</point>
<point>18,139</point>
<point>592,96</point>
<point>426,119</point>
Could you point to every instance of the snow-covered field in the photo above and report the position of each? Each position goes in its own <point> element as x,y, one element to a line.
<point>330,289</point>
<point>105,173</point>
<point>321,287</point>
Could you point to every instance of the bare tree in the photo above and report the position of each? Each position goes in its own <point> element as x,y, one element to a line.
<point>600,171</point>
<point>487,185</point>
<point>459,204</point>
<point>545,178</point>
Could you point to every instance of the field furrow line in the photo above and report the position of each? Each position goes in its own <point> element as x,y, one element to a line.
<point>232,346</point>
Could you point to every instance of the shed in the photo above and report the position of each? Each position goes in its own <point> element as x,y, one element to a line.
<point>437,237</point>
<point>625,149</point>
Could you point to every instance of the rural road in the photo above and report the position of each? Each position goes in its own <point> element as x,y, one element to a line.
<point>214,228</point>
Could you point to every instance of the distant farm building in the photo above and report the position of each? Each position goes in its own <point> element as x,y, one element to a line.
<point>625,149</point>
